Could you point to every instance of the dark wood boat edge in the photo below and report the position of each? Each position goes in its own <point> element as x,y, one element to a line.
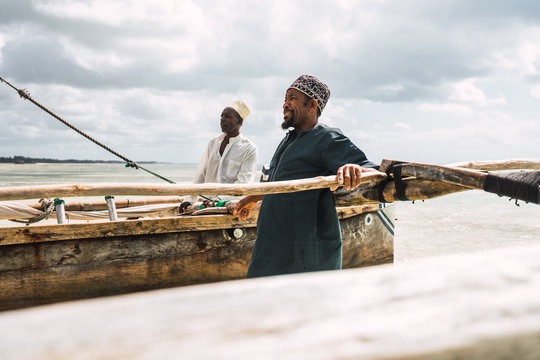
<point>103,229</point>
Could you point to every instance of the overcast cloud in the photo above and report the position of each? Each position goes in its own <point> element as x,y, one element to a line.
<point>428,81</point>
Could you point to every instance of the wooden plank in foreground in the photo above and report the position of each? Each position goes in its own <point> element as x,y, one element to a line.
<point>473,306</point>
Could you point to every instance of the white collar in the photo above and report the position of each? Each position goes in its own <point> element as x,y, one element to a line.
<point>233,139</point>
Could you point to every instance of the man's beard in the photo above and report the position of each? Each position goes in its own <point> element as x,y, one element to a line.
<point>287,123</point>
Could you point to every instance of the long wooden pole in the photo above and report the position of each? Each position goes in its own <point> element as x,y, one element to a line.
<point>473,179</point>
<point>415,189</point>
<point>426,186</point>
<point>512,164</point>
<point>50,191</point>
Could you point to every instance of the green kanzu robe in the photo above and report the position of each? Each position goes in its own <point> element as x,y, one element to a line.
<point>299,232</point>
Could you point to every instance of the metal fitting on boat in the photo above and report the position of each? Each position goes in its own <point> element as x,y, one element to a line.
<point>60,210</point>
<point>238,233</point>
<point>368,219</point>
<point>233,234</point>
<point>111,207</point>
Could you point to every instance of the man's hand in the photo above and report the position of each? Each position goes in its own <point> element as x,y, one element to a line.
<point>245,205</point>
<point>183,206</point>
<point>349,176</point>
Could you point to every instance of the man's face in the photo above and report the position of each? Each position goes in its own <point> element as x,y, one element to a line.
<point>230,121</point>
<point>295,109</point>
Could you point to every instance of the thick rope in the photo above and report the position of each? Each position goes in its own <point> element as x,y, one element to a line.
<point>48,207</point>
<point>520,186</point>
<point>394,174</point>
<point>129,163</point>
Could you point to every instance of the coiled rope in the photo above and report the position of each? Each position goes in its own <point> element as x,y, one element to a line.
<point>129,163</point>
<point>48,207</point>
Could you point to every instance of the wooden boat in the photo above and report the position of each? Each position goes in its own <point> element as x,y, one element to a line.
<point>43,264</point>
<point>51,263</point>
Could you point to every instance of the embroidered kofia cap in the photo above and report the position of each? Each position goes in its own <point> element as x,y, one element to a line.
<point>314,88</point>
<point>240,108</point>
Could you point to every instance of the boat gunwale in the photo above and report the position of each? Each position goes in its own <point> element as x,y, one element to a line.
<point>104,229</point>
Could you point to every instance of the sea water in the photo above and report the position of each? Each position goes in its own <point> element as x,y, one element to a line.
<point>470,221</point>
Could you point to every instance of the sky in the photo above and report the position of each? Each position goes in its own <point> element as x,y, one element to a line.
<point>426,81</point>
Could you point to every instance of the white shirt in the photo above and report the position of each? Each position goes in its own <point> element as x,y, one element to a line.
<point>238,164</point>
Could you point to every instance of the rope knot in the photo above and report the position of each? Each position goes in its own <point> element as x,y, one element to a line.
<point>47,206</point>
<point>24,93</point>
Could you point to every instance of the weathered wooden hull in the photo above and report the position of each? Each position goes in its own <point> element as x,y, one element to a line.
<point>53,263</point>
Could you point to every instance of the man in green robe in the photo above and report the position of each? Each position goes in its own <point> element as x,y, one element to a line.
<point>299,232</point>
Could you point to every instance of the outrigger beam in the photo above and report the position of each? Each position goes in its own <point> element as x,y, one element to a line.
<point>523,185</point>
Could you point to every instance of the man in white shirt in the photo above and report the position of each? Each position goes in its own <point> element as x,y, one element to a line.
<point>229,158</point>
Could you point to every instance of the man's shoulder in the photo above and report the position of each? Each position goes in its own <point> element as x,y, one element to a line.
<point>326,130</point>
<point>216,139</point>
<point>248,143</point>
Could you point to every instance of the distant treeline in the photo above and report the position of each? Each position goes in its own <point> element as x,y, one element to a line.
<point>29,160</point>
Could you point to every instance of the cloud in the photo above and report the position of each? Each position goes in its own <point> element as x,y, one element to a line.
<point>403,126</point>
<point>42,60</point>
<point>150,78</point>
<point>446,108</point>
<point>534,90</point>
<point>466,92</point>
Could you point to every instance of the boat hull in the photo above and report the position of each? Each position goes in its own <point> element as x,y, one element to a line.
<point>42,271</point>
